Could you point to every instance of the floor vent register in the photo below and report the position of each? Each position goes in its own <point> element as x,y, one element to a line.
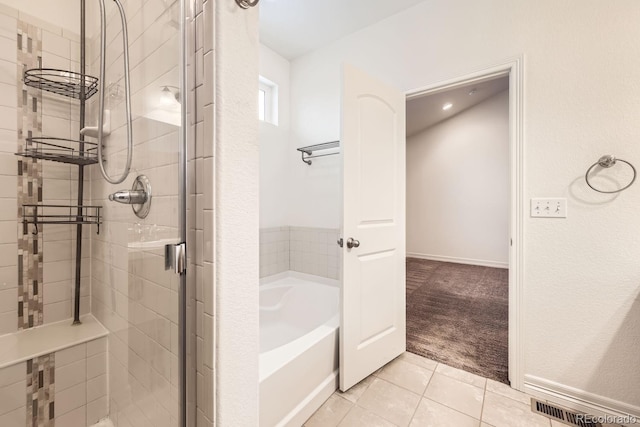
<point>562,415</point>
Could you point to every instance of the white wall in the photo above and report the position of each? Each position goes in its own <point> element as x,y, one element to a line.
<point>236,193</point>
<point>316,190</point>
<point>274,145</point>
<point>581,313</point>
<point>62,13</point>
<point>458,187</point>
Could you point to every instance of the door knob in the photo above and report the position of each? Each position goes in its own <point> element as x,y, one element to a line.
<point>352,243</point>
<point>340,242</point>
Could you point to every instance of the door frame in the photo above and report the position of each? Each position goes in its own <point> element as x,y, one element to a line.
<point>514,69</point>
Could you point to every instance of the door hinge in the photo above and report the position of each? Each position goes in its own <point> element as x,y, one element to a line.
<point>175,257</point>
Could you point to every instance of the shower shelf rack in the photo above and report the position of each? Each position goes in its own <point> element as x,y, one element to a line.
<point>38,214</point>
<point>80,86</point>
<point>61,150</point>
<point>61,82</point>
<point>309,151</point>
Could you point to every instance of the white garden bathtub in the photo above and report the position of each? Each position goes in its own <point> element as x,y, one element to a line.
<point>298,346</point>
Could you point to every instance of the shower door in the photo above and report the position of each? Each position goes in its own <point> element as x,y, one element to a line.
<point>137,293</point>
<point>84,284</point>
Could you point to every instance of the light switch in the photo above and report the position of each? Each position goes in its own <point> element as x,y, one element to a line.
<point>549,208</point>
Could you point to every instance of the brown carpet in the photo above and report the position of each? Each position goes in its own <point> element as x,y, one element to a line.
<point>458,314</point>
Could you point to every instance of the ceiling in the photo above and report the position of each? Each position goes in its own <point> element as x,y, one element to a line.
<point>295,27</point>
<point>426,111</point>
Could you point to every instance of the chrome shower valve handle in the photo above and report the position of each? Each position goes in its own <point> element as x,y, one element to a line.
<point>139,197</point>
<point>129,197</point>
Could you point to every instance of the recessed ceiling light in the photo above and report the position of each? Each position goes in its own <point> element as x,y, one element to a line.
<point>447,106</point>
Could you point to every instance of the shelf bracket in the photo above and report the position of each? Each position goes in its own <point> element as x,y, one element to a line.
<point>308,153</point>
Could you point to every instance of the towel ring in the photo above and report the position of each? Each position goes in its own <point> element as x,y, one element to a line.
<point>608,161</point>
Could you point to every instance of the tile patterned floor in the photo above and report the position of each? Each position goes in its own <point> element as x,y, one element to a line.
<point>417,392</point>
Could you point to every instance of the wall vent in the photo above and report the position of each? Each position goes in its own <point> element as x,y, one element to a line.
<point>561,414</point>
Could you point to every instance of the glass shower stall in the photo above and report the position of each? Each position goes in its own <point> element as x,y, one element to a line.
<point>97,298</point>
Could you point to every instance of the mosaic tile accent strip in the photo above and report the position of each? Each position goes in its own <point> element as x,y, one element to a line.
<point>41,391</point>
<point>30,262</point>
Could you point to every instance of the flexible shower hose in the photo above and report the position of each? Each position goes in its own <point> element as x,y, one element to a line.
<point>127,89</point>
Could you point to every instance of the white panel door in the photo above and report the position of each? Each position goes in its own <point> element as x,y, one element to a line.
<point>373,327</point>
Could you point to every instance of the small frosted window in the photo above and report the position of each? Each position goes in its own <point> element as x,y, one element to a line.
<point>268,101</point>
<point>262,97</point>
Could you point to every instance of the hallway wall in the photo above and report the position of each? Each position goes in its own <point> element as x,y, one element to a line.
<point>458,187</point>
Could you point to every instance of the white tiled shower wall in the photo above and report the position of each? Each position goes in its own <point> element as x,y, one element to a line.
<point>200,216</point>
<point>13,400</point>
<point>303,249</point>
<point>8,172</point>
<point>80,387</point>
<point>81,384</point>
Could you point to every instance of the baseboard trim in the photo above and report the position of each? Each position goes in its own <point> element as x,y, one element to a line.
<point>577,399</point>
<point>469,261</point>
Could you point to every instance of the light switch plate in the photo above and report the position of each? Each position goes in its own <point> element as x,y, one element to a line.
<point>549,208</point>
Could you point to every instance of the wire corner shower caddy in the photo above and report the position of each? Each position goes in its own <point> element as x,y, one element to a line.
<point>62,82</point>
<point>309,152</point>
<point>81,153</point>
<point>39,214</point>
<point>61,150</point>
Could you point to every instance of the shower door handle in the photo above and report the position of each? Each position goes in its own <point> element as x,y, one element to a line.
<point>175,257</point>
<point>352,243</point>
